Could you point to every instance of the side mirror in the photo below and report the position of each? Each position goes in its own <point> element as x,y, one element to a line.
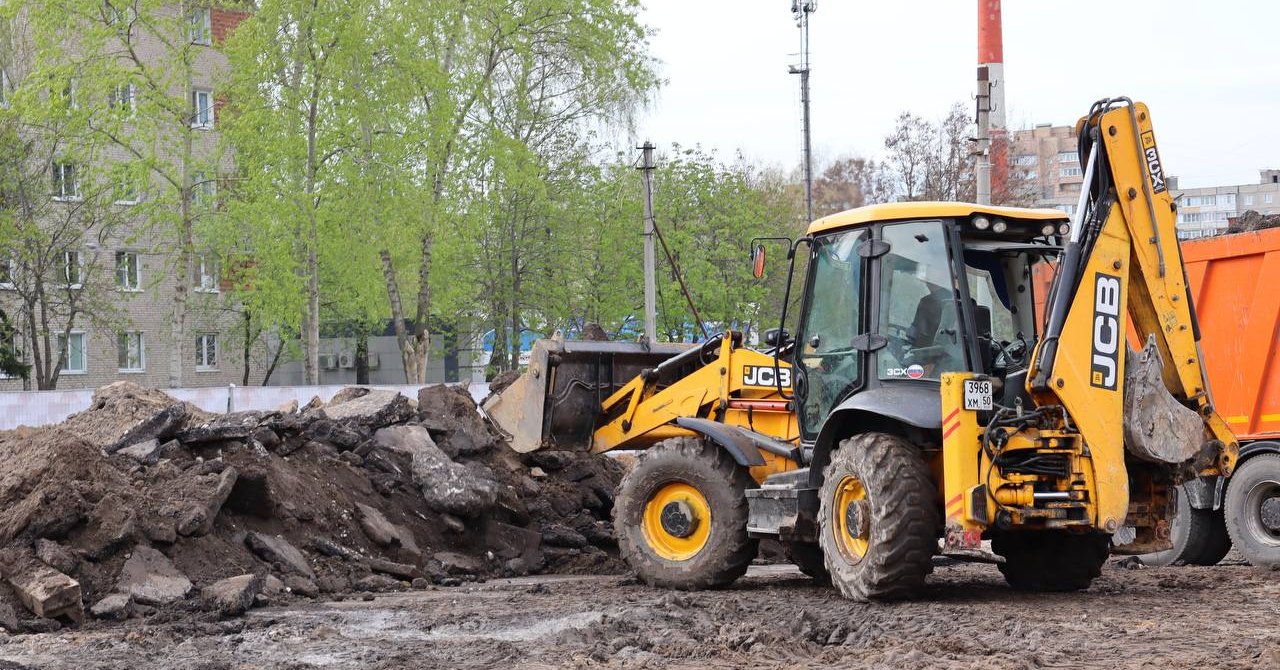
<point>757,261</point>
<point>775,336</point>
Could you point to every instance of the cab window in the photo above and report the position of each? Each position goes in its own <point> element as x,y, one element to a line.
<point>917,304</point>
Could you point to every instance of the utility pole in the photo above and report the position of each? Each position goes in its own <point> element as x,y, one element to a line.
<point>992,151</point>
<point>800,11</point>
<point>650,278</point>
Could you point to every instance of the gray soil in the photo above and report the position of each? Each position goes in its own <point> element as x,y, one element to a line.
<point>1156,618</point>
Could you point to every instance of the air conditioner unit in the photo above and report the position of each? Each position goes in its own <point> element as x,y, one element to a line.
<point>346,360</point>
<point>328,361</point>
<point>374,361</point>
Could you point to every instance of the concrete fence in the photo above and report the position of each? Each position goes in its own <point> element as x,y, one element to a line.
<point>39,408</point>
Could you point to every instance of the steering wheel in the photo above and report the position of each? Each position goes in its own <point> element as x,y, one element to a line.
<point>1013,355</point>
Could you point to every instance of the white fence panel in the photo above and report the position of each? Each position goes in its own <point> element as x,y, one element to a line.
<point>41,408</point>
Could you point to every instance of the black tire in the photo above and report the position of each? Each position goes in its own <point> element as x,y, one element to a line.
<point>727,551</point>
<point>1051,560</point>
<point>808,557</point>
<point>1199,537</point>
<point>898,522</point>
<point>1255,483</point>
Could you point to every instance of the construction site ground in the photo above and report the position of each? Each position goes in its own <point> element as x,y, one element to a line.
<point>1157,618</point>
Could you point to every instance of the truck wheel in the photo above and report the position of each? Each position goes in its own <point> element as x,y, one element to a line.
<point>1051,560</point>
<point>1199,537</point>
<point>681,516</point>
<point>878,518</point>
<point>1252,507</point>
<point>808,557</point>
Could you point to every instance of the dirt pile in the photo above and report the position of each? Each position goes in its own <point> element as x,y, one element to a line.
<point>1252,220</point>
<point>145,506</point>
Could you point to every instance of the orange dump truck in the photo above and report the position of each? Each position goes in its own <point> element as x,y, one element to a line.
<point>1235,282</point>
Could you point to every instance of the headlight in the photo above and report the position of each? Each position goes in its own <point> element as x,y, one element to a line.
<point>981,222</point>
<point>1047,229</point>
<point>1064,229</point>
<point>999,226</point>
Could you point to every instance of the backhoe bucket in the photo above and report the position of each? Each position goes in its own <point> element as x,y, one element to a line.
<point>556,403</point>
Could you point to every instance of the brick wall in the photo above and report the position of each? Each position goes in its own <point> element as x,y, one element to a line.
<point>224,21</point>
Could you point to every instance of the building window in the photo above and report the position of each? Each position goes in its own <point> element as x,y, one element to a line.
<point>123,99</point>
<point>204,192</point>
<point>1069,172</point>
<point>10,344</point>
<point>126,189</point>
<point>71,95</point>
<point>1248,199</point>
<point>132,352</point>
<point>65,184</point>
<point>73,268</point>
<point>8,268</point>
<point>128,271</point>
<point>202,109</point>
<point>201,26</point>
<point>207,274</point>
<point>1192,201</point>
<point>1267,198</point>
<point>71,349</point>
<point>1068,157</point>
<point>1026,160</point>
<point>207,352</point>
<point>1227,200</point>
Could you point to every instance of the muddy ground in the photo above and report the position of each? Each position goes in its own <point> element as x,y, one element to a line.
<point>1157,618</point>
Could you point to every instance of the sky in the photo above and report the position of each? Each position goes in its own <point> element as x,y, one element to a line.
<point>1207,70</point>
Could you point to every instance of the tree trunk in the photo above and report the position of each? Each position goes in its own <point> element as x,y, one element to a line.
<point>421,332</point>
<point>397,313</point>
<point>248,346</point>
<point>311,329</point>
<point>362,358</point>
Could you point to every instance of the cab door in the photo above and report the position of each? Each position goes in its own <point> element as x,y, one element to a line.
<point>829,362</point>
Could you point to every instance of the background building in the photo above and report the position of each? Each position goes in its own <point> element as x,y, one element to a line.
<point>127,272</point>
<point>1047,155</point>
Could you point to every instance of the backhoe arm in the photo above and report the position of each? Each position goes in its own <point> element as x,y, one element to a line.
<point>1123,258</point>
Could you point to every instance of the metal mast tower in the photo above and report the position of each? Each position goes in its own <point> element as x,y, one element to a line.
<point>800,11</point>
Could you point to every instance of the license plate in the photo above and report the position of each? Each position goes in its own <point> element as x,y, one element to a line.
<point>977,394</point>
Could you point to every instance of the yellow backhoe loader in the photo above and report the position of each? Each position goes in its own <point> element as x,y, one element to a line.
<point>928,400</point>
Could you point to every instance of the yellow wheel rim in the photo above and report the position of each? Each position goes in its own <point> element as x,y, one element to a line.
<point>683,535</point>
<point>849,519</point>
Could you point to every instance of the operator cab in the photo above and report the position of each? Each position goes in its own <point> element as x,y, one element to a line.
<point>897,295</point>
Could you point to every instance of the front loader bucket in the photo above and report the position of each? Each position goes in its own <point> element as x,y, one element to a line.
<point>556,402</point>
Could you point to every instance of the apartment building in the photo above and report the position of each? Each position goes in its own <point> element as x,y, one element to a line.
<point>1047,157</point>
<point>1047,154</point>
<point>125,275</point>
<point>1208,210</point>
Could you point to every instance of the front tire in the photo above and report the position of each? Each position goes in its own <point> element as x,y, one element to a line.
<point>1051,560</point>
<point>1252,507</point>
<point>878,519</point>
<point>681,516</point>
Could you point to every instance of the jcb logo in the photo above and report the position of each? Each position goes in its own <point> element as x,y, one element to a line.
<point>762,375</point>
<point>1106,332</point>
<point>1152,158</point>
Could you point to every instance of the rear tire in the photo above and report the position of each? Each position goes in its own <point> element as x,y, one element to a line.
<point>712,488</point>
<point>808,557</point>
<point>1051,560</point>
<point>879,518</point>
<point>1252,508</point>
<point>1199,537</point>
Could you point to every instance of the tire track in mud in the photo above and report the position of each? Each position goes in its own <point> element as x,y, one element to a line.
<point>1160,618</point>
